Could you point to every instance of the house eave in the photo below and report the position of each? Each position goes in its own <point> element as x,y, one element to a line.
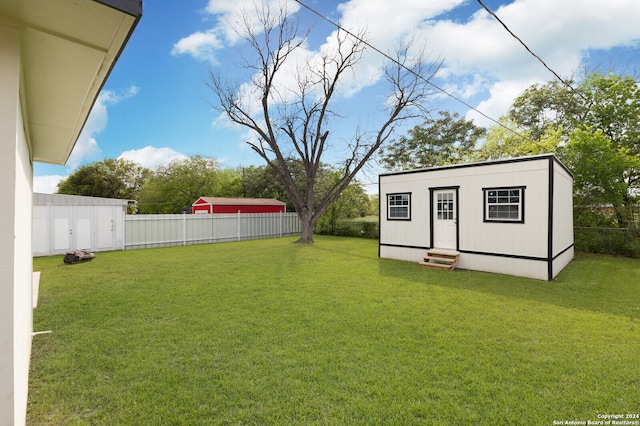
<point>68,49</point>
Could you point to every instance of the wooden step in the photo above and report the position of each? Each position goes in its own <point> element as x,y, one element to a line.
<point>440,259</point>
<point>434,265</point>
<point>443,252</point>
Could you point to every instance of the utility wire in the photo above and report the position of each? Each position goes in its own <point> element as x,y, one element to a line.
<point>529,50</point>
<point>369,45</point>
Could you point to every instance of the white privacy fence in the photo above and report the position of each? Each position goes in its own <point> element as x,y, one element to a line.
<point>163,230</point>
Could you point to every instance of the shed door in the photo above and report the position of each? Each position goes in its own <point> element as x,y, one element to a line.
<point>62,230</point>
<point>444,219</point>
<point>83,227</point>
<point>105,228</point>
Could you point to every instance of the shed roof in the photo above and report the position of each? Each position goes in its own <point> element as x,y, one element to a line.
<point>484,163</point>
<point>241,201</point>
<point>75,200</point>
<point>68,50</point>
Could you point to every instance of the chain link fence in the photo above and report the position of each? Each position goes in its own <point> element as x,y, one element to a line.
<point>616,241</point>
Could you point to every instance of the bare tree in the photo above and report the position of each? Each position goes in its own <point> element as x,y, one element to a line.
<point>294,123</point>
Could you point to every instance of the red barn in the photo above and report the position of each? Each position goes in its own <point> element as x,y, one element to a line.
<point>221,205</point>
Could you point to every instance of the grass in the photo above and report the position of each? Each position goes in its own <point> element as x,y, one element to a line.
<point>270,332</point>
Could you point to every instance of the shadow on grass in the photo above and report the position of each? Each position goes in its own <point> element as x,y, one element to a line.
<point>595,283</point>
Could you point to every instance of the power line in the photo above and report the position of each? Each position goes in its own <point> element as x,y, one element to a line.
<point>528,50</point>
<point>369,45</point>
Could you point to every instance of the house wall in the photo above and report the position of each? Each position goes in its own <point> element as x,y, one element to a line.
<point>201,208</point>
<point>16,321</point>
<point>508,248</point>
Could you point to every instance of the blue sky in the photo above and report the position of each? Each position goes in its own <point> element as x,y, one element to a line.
<point>156,106</point>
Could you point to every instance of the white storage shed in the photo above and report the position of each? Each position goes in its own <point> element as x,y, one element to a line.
<point>511,216</point>
<point>63,223</point>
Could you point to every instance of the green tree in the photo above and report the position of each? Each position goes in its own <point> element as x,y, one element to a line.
<point>449,139</point>
<point>264,182</point>
<point>607,103</point>
<point>594,128</point>
<point>599,169</point>
<point>547,106</point>
<point>614,109</point>
<point>504,143</point>
<point>374,205</point>
<point>353,202</point>
<point>109,178</point>
<point>177,185</point>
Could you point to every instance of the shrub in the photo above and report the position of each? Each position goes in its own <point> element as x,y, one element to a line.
<point>363,228</point>
<point>598,232</point>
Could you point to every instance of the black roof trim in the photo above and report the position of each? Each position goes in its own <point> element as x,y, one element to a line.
<point>130,7</point>
<point>484,163</point>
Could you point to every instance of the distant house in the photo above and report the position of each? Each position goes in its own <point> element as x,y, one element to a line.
<point>478,211</point>
<point>224,205</point>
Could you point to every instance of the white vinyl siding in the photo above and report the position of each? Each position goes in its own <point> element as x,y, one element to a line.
<point>486,245</point>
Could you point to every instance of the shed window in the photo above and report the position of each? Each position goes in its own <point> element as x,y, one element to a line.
<point>399,206</point>
<point>504,204</point>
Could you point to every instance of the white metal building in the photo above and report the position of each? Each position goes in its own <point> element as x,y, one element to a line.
<point>62,223</point>
<point>55,56</point>
<point>510,216</point>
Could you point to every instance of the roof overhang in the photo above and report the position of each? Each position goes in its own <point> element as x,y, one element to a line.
<point>68,48</point>
<point>237,201</point>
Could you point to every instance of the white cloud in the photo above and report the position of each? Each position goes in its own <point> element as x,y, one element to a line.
<point>482,59</point>
<point>200,45</point>
<point>111,97</point>
<point>483,64</point>
<point>384,25</point>
<point>47,184</point>
<point>230,15</point>
<point>502,94</point>
<point>561,33</point>
<point>86,147</point>
<point>151,157</point>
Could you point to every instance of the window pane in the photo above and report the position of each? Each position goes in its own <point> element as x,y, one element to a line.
<point>445,206</point>
<point>398,206</point>
<point>504,204</point>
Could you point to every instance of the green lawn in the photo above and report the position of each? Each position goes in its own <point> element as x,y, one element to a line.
<point>270,332</point>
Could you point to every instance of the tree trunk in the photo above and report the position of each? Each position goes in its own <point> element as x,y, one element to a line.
<point>307,222</point>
